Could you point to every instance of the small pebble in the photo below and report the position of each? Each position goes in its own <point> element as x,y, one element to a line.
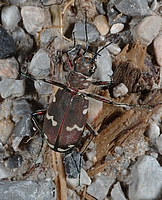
<point>104,66</point>
<point>95,107</point>
<point>154,155</point>
<point>147,182</point>
<point>116,28</point>
<point>7,45</point>
<point>72,164</point>
<point>14,161</point>
<point>119,150</point>
<point>6,128</point>
<point>42,87</point>
<point>4,172</point>
<point>5,109</point>
<point>11,87</point>
<point>101,24</point>
<point>114,49</point>
<point>117,192</point>
<point>79,32</point>
<point>10,16</point>
<point>84,180</point>
<point>153,132</point>
<point>120,90</point>
<point>23,128</point>
<point>18,34</point>
<point>40,64</point>
<point>33,19</point>
<point>133,7</point>
<point>147,29</point>
<point>21,108</point>
<point>158,49</point>
<point>101,183</point>
<point>9,68</point>
<point>159,144</point>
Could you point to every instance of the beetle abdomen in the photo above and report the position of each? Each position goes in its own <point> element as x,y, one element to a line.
<point>65,120</point>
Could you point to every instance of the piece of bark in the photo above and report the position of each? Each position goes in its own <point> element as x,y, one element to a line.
<point>129,126</point>
<point>136,69</point>
<point>60,179</point>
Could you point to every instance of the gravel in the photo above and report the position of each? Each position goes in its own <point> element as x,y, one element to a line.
<point>44,40</point>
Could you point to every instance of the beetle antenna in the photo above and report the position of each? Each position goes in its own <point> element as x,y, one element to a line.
<point>97,53</point>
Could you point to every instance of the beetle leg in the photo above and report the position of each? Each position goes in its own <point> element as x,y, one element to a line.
<point>93,134</point>
<point>36,124</point>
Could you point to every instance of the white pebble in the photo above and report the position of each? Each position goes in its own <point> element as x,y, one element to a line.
<point>154,155</point>
<point>114,49</point>
<point>10,16</point>
<point>159,144</point>
<point>153,132</point>
<point>33,19</point>
<point>84,180</point>
<point>11,87</point>
<point>120,90</point>
<point>116,28</point>
<point>101,24</point>
<point>6,128</point>
<point>158,49</point>
<point>40,64</point>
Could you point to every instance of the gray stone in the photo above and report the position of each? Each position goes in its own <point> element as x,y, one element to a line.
<point>133,7</point>
<point>40,64</point>
<point>104,66</point>
<point>4,172</point>
<point>11,87</point>
<point>79,32</point>
<point>34,19</point>
<point>28,190</point>
<point>147,29</point>
<point>10,16</point>
<point>147,183</point>
<point>9,68</point>
<point>100,187</point>
<point>117,192</point>
<point>6,128</point>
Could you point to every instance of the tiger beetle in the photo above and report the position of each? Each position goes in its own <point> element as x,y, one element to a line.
<point>66,117</point>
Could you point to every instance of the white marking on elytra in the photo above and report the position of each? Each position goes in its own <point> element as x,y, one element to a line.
<point>54,123</point>
<point>63,150</point>
<point>54,98</point>
<point>51,145</point>
<point>72,145</point>
<point>75,126</point>
<point>85,111</point>
<point>45,136</point>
